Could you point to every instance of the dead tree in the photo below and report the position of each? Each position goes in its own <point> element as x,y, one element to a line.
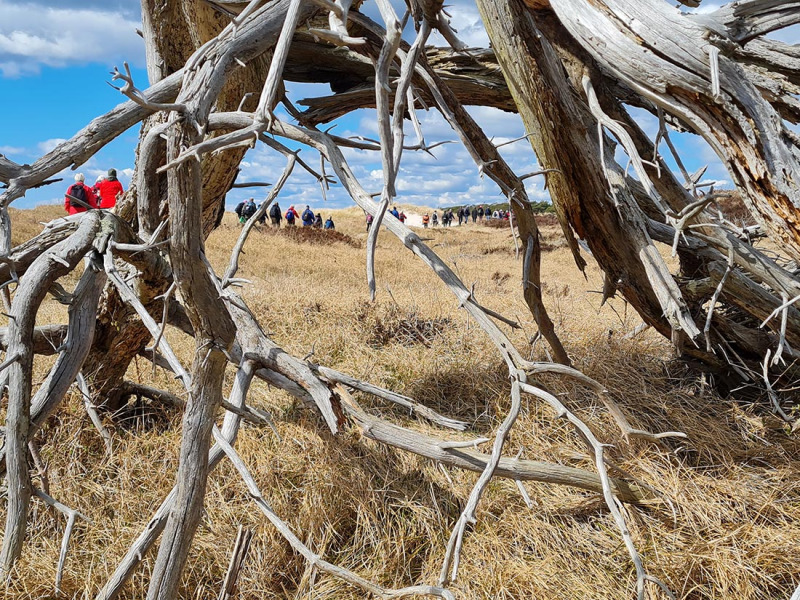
<point>571,67</point>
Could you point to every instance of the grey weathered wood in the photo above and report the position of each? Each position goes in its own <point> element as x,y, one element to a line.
<point>147,538</point>
<point>49,266</point>
<point>238,556</point>
<point>663,55</point>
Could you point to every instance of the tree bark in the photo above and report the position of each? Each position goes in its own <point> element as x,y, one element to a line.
<point>55,263</point>
<point>173,31</point>
<point>580,192</point>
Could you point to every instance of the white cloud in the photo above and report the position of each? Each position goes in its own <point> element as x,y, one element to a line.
<point>11,150</point>
<point>466,20</point>
<point>32,35</point>
<point>48,145</point>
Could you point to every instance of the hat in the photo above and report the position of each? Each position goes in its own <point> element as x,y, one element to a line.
<point>78,176</point>
<point>112,172</point>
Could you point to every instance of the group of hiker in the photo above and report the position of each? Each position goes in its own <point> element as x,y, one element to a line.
<point>397,214</point>
<point>247,209</point>
<point>105,192</point>
<point>477,213</point>
<point>447,218</point>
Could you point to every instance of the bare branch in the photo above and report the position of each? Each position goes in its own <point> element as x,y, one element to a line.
<point>71,515</point>
<point>233,266</point>
<point>139,97</point>
<point>91,410</point>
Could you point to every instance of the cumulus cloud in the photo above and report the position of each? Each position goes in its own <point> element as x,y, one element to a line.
<point>466,20</point>
<point>48,145</point>
<point>34,35</point>
<point>11,150</point>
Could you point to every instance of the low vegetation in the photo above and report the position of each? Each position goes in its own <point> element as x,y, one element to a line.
<point>722,519</point>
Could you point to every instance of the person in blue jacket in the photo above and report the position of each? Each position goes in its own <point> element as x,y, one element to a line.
<point>307,217</point>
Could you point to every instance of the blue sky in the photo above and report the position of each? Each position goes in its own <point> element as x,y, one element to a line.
<point>54,64</point>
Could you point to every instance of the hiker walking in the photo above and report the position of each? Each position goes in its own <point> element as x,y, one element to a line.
<point>425,220</point>
<point>318,221</point>
<point>474,214</point>
<point>79,197</point>
<point>329,223</point>
<point>308,217</point>
<point>435,219</point>
<point>275,215</point>
<point>291,215</point>
<point>402,217</point>
<point>369,221</point>
<point>480,212</point>
<point>109,190</point>
<point>395,212</point>
<point>460,216</point>
<point>245,210</point>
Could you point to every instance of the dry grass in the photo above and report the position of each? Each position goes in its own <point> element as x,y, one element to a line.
<point>386,514</point>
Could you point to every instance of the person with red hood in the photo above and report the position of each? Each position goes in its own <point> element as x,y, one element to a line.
<point>290,216</point>
<point>79,197</point>
<point>109,190</point>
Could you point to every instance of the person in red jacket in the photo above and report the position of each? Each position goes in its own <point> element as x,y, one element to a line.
<point>290,216</point>
<point>109,190</point>
<point>79,197</point>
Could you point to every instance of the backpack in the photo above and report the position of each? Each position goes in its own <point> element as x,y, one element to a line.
<point>249,210</point>
<point>275,211</point>
<point>308,216</point>
<point>78,192</point>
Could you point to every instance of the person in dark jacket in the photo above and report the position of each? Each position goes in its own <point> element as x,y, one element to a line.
<point>329,223</point>
<point>460,215</point>
<point>474,214</point>
<point>109,190</point>
<point>480,213</point>
<point>308,217</point>
<point>318,221</point>
<point>79,197</point>
<point>248,209</point>
<point>275,215</point>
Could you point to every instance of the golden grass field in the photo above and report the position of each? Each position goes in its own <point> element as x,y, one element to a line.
<point>726,524</point>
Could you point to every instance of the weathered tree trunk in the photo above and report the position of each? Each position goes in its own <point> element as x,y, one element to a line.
<point>612,227</point>
<point>172,33</point>
<point>556,79</point>
<point>713,93</point>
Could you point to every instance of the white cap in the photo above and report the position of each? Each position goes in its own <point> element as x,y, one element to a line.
<point>99,179</point>
<point>78,176</point>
